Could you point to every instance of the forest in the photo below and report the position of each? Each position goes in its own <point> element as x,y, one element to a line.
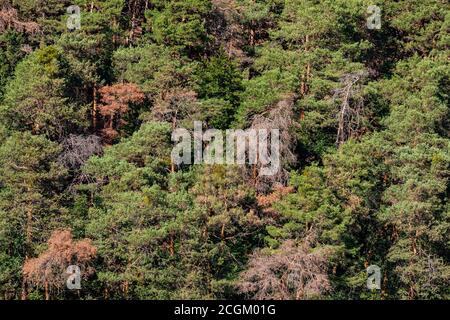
<point>92,90</point>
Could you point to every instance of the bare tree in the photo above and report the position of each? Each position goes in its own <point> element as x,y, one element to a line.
<point>78,149</point>
<point>293,272</point>
<point>279,117</point>
<point>352,106</point>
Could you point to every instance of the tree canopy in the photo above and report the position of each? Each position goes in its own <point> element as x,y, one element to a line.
<point>87,178</point>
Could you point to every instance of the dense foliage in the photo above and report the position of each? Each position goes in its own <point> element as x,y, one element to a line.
<point>86,176</point>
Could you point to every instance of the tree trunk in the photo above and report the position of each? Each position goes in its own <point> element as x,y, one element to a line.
<point>94,109</point>
<point>305,76</point>
<point>47,294</point>
<point>29,238</point>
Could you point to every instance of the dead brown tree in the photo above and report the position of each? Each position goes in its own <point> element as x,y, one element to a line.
<point>9,20</point>
<point>49,269</point>
<point>115,103</point>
